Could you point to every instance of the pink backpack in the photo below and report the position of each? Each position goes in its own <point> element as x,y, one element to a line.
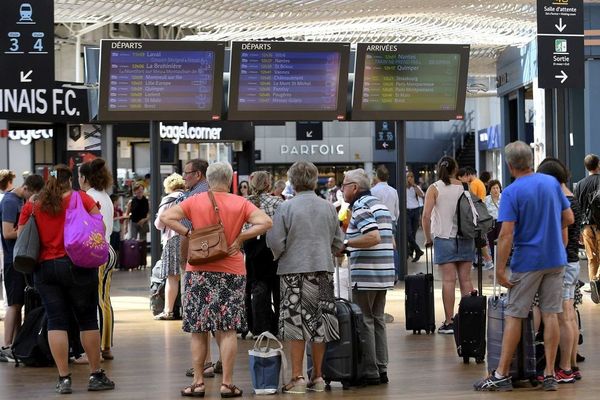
<point>84,235</point>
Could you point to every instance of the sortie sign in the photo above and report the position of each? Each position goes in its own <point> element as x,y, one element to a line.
<point>560,44</point>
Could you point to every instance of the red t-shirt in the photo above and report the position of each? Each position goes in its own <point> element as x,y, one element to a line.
<point>234,211</point>
<point>51,227</point>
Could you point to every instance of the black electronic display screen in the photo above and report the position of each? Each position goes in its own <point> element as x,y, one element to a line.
<point>282,81</point>
<point>161,80</point>
<point>411,82</point>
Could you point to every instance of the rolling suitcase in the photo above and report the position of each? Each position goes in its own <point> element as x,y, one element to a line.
<point>419,303</point>
<point>469,323</point>
<point>523,365</point>
<point>131,254</point>
<point>343,358</point>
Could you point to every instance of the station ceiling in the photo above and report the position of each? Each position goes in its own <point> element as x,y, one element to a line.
<point>488,26</point>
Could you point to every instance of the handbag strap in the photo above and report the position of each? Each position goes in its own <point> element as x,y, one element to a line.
<point>215,206</point>
<point>268,336</point>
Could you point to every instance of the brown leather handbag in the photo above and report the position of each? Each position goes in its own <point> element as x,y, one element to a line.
<point>208,244</point>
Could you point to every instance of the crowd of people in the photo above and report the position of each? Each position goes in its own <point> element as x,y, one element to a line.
<point>276,273</point>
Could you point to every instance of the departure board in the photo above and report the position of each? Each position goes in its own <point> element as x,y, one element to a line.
<point>410,82</point>
<point>284,81</point>
<point>155,80</point>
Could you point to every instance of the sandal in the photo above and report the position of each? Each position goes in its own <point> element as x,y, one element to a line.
<point>233,391</point>
<point>296,386</point>
<point>164,316</point>
<point>190,391</point>
<point>316,385</point>
<point>209,370</point>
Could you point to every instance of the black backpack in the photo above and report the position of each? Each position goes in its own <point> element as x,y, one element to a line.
<point>31,347</point>
<point>473,219</point>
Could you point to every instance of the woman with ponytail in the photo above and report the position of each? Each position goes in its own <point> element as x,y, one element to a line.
<point>454,255</point>
<point>95,179</point>
<point>65,289</point>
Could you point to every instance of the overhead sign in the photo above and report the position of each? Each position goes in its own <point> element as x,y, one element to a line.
<point>184,131</point>
<point>560,44</point>
<point>57,102</point>
<point>309,130</point>
<point>385,136</point>
<point>27,43</point>
<point>26,136</point>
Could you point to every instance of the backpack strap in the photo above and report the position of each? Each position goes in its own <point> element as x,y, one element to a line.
<point>467,194</point>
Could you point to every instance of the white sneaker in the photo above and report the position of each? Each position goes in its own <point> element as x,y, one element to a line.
<point>487,265</point>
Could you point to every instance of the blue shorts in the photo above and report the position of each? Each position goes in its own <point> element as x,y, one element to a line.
<point>453,250</point>
<point>570,280</point>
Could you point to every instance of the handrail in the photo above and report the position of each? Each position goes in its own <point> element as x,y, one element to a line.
<point>457,133</point>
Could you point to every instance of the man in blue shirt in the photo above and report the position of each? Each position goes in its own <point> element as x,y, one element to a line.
<point>533,212</point>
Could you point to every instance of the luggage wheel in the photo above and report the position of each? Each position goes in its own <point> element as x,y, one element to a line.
<point>465,360</point>
<point>345,385</point>
<point>479,360</point>
<point>328,386</point>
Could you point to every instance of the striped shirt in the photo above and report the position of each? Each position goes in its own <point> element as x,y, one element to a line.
<point>371,268</point>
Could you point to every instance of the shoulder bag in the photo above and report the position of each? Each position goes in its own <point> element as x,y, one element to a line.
<point>85,243</point>
<point>208,244</point>
<point>27,247</point>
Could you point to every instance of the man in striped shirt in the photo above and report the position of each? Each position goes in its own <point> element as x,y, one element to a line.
<point>370,242</point>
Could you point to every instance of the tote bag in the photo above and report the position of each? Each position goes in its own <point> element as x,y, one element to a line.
<point>84,235</point>
<point>266,364</point>
<point>27,248</point>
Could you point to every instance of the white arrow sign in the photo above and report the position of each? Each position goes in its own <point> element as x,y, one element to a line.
<point>309,134</point>
<point>560,25</point>
<point>563,77</point>
<point>25,76</point>
<point>385,145</point>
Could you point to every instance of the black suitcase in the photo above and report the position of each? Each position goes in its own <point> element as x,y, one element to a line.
<point>343,358</point>
<point>469,322</point>
<point>419,303</point>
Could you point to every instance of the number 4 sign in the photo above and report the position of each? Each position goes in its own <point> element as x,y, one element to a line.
<point>27,43</point>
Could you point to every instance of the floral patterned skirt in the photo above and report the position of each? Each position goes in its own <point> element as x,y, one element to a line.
<point>213,301</point>
<point>307,310</point>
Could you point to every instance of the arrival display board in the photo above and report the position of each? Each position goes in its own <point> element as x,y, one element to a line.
<point>167,80</point>
<point>560,44</point>
<point>288,81</point>
<point>410,82</point>
<point>27,43</point>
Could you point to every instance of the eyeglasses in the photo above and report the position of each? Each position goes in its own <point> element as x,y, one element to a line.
<point>186,173</point>
<point>348,183</point>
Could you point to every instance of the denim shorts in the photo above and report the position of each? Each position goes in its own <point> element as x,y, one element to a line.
<point>66,290</point>
<point>453,250</point>
<point>570,280</point>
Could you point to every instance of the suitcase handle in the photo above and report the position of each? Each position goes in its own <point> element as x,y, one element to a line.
<point>428,259</point>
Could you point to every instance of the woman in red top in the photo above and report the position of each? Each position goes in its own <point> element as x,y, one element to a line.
<point>213,294</point>
<point>65,289</point>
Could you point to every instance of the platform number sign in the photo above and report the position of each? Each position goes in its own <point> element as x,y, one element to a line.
<point>27,43</point>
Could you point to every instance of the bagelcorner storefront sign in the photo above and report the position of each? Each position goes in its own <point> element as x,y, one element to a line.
<point>186,132</point>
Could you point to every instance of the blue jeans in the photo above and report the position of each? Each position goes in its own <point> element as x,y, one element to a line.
<point>68,290</point>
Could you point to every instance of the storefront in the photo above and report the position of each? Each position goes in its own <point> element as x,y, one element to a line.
<point>334,147</point>
<point>180,142</point>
